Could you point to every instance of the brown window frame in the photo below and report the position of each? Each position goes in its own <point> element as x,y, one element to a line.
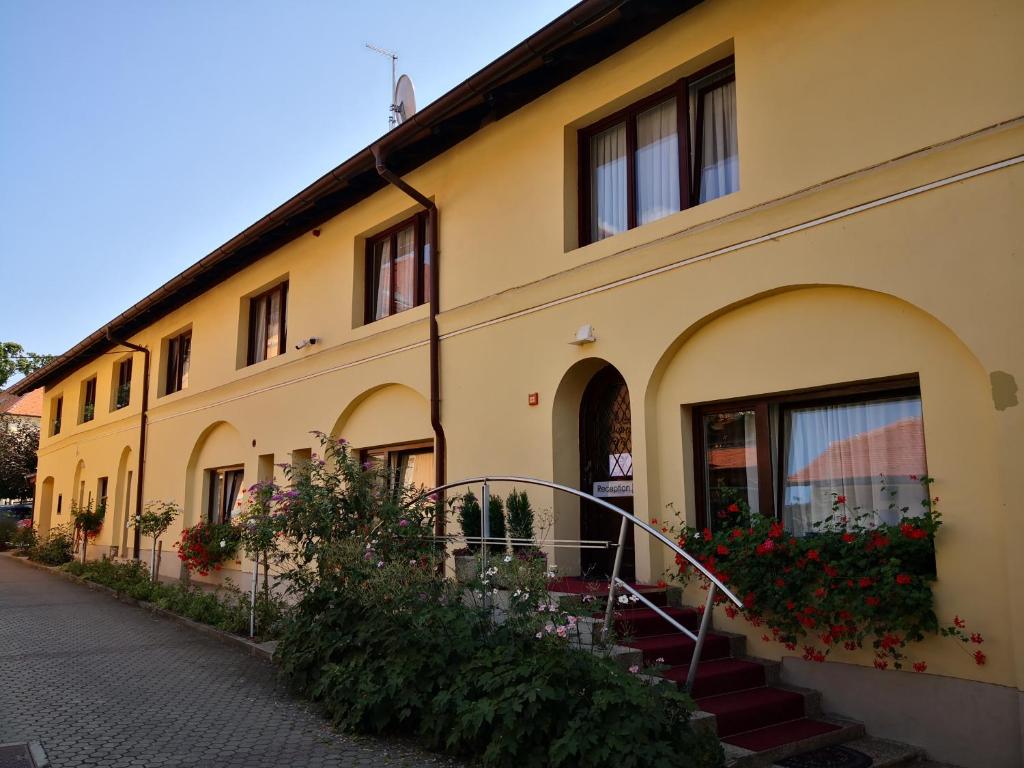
<point>421,290</point>
<point>769,468</point>
<point>175,361</point>
<point>688,185</point>
<point>89,400</point>
<point>252,354</point>
<point>58,413</point>
<point>124,384</point>
<point>218,479</point>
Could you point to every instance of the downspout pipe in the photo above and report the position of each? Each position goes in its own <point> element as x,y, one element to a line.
<point>434,256</point>
<point>143,422</point>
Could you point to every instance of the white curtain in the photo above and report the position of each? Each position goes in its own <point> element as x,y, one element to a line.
<point>405,270</point>
<point>382,279</point>
<point>608,183</point>
<point>719,172</point>
<point>273,343</point>
<point>232,488</point>
<point>259,330</point>
<point>865,451</point>
<point>657,163</point>
<point>186,358</point>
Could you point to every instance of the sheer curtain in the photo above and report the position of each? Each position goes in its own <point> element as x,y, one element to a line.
<point>608,183</point>
<point>405,269</point>
<point>382,279</point>
<point>186,357</point>
<point>657,162</point>
<point>232,487</point>
<point>719,172</point>
<point>867,451</point>
<point>272,345</point>
<point>258,318</point>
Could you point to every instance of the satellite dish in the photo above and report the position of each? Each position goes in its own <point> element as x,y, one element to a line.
<point>405,99</point>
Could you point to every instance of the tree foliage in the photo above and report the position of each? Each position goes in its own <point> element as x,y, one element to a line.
<point>19,440</point>
<point>14,359</point>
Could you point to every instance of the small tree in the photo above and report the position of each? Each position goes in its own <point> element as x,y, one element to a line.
<point>88,521</point>
<point>469,520</point>
<point>259,527</point>
<point>496,518</point>
<point>520,515</point>
<point>154,521</point>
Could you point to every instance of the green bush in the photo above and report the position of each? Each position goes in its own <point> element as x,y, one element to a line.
<point>519,702</point>
<point>55,548</point>
<point>520,515</point>
<point>227,608</point>
<point>8,530</point>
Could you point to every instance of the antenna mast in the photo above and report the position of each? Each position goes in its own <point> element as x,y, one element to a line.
<point>392,119</point>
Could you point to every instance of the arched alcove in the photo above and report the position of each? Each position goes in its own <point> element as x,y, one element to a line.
<point>122,502</point>
<point>218,445</point>
<point>44,506</point>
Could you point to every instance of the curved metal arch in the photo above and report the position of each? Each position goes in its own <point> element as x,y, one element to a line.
<point>633,519</point>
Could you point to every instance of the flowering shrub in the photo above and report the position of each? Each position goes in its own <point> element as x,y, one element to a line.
<point>55,547</point>
<point>386,643</point>
<point>851,583</point>
<point>88,519</point>
<point>204,546</point>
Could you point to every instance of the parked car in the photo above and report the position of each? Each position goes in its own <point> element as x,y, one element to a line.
<point>15,512</point>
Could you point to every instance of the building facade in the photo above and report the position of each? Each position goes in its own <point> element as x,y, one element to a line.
<point>793,230</point>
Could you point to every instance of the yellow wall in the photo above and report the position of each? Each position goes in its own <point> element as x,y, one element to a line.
<point>853,249</point>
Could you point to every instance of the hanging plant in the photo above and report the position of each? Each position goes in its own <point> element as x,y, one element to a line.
<point>205,546</point>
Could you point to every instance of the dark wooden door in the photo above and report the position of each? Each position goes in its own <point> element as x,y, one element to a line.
<point>606,459</point>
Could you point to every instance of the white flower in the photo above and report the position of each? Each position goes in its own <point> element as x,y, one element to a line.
<point>539,635</point>
<point>634,669</point>
<point>491,571</point>
<point>478,594</point>
<point>696,535</point>
<point>380,564</point>
<point>551,574</point>
<point>659,660</point>
<point>223,543</point>
<point>517,593</point>
<point>508,558</point>
<point>623,599</point>
<point>633,598</point>
<point>526,595</point>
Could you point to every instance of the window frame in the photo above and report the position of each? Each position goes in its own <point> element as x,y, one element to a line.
<point>421,291</point>
<point>769,466</point>
<point>282,345</point>
<point>688,185</point>
<point>124,382</point>
<point>218,479</point>
<point>88,400</point>
<point>698,128</point>
<point>58,415</point>
<point>174,381</point>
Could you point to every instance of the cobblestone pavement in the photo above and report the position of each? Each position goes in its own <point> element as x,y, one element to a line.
<point>102,683</point>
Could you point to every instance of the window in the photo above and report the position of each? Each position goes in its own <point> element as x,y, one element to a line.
<point>101,492</point>
<point>660,155</point>
<point>179,353</point>
<point>89,400</point>
<point>267,324</point>
<point>405,465</point>
<point>225,493</point>
<point>57,411</point>
<point>786,456</point>
<point>123,392</point>
<point>60,502</point>
<point>397,270</point>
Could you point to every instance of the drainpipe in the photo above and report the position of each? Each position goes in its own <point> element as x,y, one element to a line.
<point>143,420</point>
<point>433,254</point>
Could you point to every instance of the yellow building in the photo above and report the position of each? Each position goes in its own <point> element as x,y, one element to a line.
<point>794,231</point>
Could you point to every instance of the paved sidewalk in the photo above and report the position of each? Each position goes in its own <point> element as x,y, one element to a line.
<point>101,683</point>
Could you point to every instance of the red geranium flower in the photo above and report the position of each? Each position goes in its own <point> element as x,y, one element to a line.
<point>977,638</point>
<point>812,554</point>
<point>959,623</point>
<point>849,538</point>
<point>880,664</point>
<point>980,658</point>
<point>723,550</point>
<point>920,666</point>
<point>776,530</point>
<point>840,499</point>
<point>903,579</point>
<point>734,508</point>
<point>865,582</point>
<point>871,600</point>
<point>764,547</point>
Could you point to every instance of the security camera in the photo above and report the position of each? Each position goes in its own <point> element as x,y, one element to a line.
<point>307,342</point>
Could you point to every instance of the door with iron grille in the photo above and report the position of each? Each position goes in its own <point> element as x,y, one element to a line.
<point>606,471</point>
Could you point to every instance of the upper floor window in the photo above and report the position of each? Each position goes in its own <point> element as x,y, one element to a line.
<point>397,270</point>
<point>179,354</point>
<point>660,155</point>
<point>123,392</point>
<point>89,400</point>
<point>267,324</point>
<point>56,413</point>
<point>790,456</point>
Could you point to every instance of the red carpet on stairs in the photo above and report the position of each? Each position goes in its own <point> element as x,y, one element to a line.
<point>748,713</point>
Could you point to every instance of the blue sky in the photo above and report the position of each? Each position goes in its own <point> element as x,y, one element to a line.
<point>136,137</point>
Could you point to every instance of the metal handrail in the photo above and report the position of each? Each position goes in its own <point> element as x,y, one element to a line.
<point>627,519</point>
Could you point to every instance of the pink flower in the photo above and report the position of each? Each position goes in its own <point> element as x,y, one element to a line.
<point>634,669</point>
<point>403,523</point>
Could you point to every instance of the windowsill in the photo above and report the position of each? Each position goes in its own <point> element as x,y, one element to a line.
<point>397,320</point>
<point>673,224</point>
